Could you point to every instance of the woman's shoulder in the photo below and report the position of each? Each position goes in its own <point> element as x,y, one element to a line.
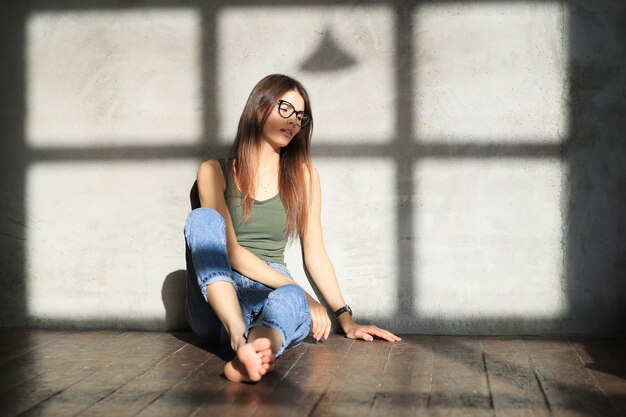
<point>210,171</point>
<point>213,165</point>
<point>311,179</point>
<point>310,173</point>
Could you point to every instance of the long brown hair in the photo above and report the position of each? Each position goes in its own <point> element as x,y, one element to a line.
<point>295,158</point>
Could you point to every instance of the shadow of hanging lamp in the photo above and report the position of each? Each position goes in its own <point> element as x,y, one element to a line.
<point>327,57</point>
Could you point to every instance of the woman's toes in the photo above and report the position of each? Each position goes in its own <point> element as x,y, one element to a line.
<point>252,362</point>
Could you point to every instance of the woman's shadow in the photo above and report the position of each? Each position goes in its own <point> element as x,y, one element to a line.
<point>173,297</point>
<point>174,288</point>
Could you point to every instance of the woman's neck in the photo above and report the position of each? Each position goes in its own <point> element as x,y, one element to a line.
<point>267,159</point>
<point>267,171</point>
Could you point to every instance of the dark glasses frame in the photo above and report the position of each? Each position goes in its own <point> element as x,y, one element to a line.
<point>302,118</point>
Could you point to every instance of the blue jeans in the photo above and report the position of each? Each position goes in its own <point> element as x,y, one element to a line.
<point>284,309</point>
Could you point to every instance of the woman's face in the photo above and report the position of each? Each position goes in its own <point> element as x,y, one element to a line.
<point>279,131</point>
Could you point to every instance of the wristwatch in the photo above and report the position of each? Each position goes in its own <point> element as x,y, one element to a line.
<point>343,310</point>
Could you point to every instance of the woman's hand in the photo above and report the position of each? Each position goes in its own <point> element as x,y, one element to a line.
<point>320,322</point>
<point>368,333</point>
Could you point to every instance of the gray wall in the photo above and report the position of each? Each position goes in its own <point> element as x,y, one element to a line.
<point>471,154</point>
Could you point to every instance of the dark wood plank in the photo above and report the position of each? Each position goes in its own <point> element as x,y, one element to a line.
<point>405,384</point>
<point>137,393</point>
<point>356,381</point>
<point>50,349</point>
<point>204,384</point>
<point>298,393</point>
<point>514,387</point>
<point>59,360</point>
<point>569,388</point>
<point>606,360</point>
<point>459,382</point>
<point>43,386</point>
<point>39,343</point>
<point>126,357</point>
<point>17,371</point>
<point>238,399</point>
<point>15,343</point>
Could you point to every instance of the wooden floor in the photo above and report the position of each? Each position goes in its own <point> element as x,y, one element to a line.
<point>161,374</point>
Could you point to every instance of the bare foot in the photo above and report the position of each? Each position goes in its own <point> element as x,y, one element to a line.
<point>253,360</point>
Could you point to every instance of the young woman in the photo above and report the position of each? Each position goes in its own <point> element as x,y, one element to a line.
<point>238,289</point>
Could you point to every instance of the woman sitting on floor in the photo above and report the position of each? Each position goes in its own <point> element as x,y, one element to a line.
<point>239,290</point>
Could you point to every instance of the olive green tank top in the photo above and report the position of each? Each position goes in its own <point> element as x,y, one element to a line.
<point>265,233</point>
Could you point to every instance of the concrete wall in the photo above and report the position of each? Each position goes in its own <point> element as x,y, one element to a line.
<point>472,156</point>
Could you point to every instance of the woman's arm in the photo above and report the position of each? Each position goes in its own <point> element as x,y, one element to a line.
<point>321,269</point>
<point>211,187</point>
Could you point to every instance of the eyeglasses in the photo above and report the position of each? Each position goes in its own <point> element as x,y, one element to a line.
<point>286,109</point>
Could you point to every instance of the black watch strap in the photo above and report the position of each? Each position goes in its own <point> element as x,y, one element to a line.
<point>343,310</point>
